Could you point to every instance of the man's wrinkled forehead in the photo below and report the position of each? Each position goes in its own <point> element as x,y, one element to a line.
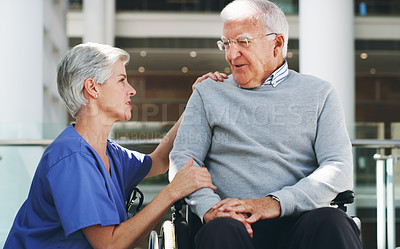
<point>248,27</point>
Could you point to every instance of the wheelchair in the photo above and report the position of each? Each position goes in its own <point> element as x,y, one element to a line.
<point>180,233</point>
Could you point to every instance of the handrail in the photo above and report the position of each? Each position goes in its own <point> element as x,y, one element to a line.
<point>365,143</point>
<point>385,207</point>
<point>33,142</point>
<point>46,142</point>
<point>376,143</point>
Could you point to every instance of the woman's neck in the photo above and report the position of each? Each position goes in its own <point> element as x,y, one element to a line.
<point>94,132</point>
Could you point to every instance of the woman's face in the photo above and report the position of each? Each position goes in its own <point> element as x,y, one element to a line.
<point>115,95</point>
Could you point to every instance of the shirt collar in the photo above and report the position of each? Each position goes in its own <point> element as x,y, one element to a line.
<point>278,75</point>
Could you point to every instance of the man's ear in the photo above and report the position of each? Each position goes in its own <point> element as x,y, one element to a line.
<point>91,88</point>
<point>279,43</point>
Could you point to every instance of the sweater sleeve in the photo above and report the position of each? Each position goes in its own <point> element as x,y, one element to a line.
<point>193,140</point>
<point>333,152</point>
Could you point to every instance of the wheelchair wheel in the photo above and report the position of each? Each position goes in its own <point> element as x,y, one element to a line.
<point>167,236</point>
<point>153,240</point>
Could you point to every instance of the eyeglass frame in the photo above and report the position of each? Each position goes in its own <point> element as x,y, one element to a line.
<point>248,40</point>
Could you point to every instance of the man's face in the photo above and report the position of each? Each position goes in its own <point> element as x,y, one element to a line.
<point>251,66</point>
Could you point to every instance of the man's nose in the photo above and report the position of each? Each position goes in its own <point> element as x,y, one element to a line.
<point>234,51</point>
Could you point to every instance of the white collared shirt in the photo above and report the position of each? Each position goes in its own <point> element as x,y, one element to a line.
<point>277,76</point>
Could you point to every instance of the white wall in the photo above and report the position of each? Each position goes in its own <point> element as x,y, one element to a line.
<point>326,46</point>
<point>21,95</point>
<point>33,37</point>
<point>55,44</point>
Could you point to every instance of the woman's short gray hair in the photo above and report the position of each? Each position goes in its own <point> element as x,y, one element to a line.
<point>89,60</point>
<point>271,15</point>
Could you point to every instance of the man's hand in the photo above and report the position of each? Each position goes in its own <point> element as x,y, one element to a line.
<point>256,209</point>
<point>215,213</point>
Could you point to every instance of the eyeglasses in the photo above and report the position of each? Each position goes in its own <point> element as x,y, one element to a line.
<point>132,205</point>
<point>242,41</point>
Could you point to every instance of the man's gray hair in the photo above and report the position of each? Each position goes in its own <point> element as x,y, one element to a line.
<point>270,14</point>
<point>89,60</point>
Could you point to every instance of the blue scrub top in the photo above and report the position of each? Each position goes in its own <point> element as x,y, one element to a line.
<point>72,189</point>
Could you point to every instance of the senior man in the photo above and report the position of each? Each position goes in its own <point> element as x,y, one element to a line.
<point>274,141</point>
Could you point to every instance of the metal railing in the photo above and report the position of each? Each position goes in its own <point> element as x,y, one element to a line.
<point>384,179</point>
<point>46,142</point>
<point>385,206</point>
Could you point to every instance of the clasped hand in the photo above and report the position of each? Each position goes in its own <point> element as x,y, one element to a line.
<point>246,211</point>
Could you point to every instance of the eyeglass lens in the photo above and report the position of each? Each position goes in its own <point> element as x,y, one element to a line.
<point>241,41</point>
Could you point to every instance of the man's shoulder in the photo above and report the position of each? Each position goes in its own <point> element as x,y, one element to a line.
<point>308,81</point>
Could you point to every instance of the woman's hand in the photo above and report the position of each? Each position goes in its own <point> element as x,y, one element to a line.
<point>129,233</point>
<point>189,179</point>
<point>217,76</point>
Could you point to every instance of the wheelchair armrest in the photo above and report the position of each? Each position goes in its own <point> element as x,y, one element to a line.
<point>180,202</point>
<point>343,198</point>
<point>346,197</point>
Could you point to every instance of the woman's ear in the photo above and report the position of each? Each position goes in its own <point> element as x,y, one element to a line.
<point>91,88</point>
<point>279,43</point>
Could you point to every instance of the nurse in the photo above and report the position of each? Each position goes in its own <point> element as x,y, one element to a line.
<point>77,197</point>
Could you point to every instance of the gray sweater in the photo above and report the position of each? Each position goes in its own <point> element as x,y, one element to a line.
<point>289,141</point>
